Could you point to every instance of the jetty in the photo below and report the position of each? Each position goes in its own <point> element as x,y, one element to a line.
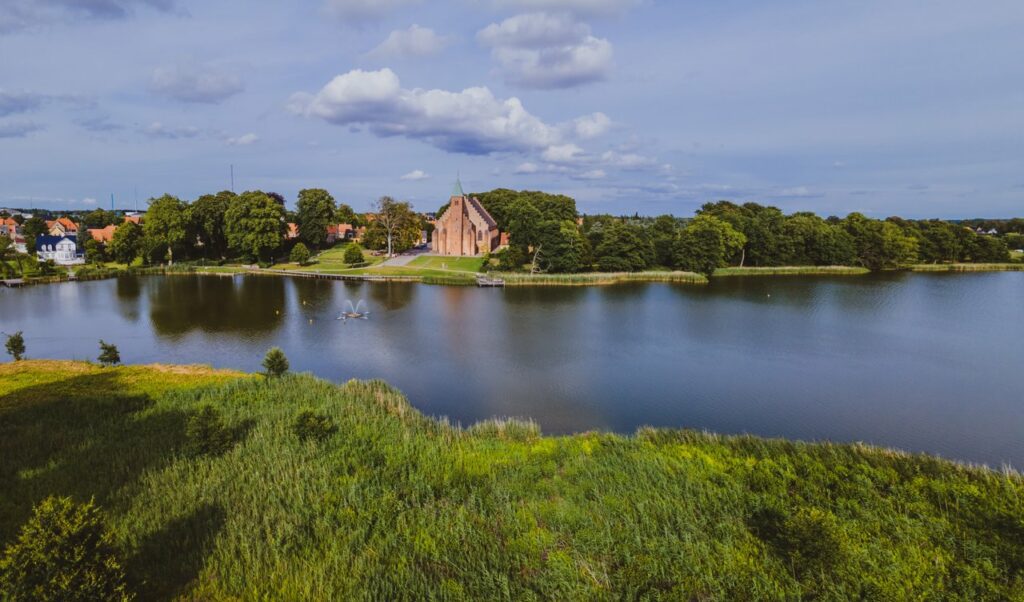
<point>13,282</point>
<point>485,281</point>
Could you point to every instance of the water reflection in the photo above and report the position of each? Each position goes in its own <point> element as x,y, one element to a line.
<point>181,304</point>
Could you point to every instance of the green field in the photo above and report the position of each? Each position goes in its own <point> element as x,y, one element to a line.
<point>436,262</point>
<point>397,506</point>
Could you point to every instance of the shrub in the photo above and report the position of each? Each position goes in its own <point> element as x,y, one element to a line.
<point>63,552</point>
<point>109,356</point>
<point>275,363</point>
<point>310,425</point>
<point>16,346</point>
<point>206,434</point>
<point>299,254</point>
<point>353,254</point>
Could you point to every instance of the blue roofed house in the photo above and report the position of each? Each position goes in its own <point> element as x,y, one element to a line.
<point>61,249</point>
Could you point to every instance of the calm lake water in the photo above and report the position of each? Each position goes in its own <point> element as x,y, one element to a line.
<point>921,362</point>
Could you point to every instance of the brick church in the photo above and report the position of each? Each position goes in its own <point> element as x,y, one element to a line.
<point>465,228</point>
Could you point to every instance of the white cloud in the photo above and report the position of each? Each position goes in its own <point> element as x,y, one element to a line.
<point>412,42</point>
<point>583,7</point>
<point>542,50</point>
<point>472,121</point>
<point>243,140</point>
<point>195,84</point>
<point>627,160</point>
<point>415,175</point>
<point>527,168</point>
<point>88,201</point>
<point>159,130</point>
<point>364,10</point>
<point>593,174</point>
<point>562,153</point>
<point>591,126</point>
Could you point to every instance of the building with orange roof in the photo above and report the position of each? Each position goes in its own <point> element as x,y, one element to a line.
<point>103,235</point>
<point>62,226</point>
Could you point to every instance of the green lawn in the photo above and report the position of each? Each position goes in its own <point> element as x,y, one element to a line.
<point>437,262</point>
<point>397,506</point>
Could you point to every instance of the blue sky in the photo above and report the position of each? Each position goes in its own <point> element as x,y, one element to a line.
<point>913,108</point>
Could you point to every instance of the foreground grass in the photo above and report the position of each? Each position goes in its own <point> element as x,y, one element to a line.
<point>799,270</point>
<point>598,278</point>
<point>458,264</point>
<point>397,506</point>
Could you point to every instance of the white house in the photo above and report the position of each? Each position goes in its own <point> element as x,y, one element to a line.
<point>61,249</point>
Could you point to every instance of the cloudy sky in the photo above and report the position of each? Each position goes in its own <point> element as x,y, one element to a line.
<point>913,107</point>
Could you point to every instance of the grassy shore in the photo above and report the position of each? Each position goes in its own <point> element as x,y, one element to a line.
<point>598,278</point>
<point>798,270</point>
<point>397,506</point>
<point>967,267</point>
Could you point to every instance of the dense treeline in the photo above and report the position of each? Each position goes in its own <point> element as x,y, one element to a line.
<point>546,236</point>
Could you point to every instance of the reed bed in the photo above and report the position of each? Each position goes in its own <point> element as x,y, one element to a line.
<point>968,267</point>
<point>793,270</point>
<point>597,278</point>
<point>398,506</point>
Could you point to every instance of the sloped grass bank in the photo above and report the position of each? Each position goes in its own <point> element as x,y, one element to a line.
<point>397,506</point>
<point>798,270</point>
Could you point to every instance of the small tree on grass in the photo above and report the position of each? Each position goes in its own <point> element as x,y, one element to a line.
<point>299,254</point>
<point>310,425</point>
<point>275,363</point>
<point>353,254</point>
<point>109,356</point>
<point>63,552</point>
<point>16,346</point>
<point>206,433</point>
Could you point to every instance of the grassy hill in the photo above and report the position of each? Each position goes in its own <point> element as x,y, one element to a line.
<point>396,506</point>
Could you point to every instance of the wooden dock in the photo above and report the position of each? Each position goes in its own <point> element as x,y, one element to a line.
<point>487,281</point>
<point>13,282</point>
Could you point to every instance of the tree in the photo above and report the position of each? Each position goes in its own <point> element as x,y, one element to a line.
<point>275,363</point>
<point>706,243</point>
<point>522,221</point>
<point>109,355</point>
<point>33,228</point>
<point>167,224</point>
<point>315,210</point>
<point>624,248</point>
<point>299,254</point>
<point>254,224</point>
<point>564,247</point>
<point>16,346</point>
<point>394,218</point>
<point>126,243</point>
<point>880,244</point>
<point>353,254</point>
<point>99,218</point>
<point>345,215</point>
<point>64,552</point>
<point>95,252</point>
<point>207,213</point>
<point>664,234</point>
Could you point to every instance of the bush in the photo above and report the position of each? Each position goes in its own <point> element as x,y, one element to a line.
<point>275,363</point>
<point>206,434</point>
<point>109,355</point>
<point>63,553</point>
<point>310,425</point>
<point>353,254</point>
<point>16,346</point>
<point>299,254</point>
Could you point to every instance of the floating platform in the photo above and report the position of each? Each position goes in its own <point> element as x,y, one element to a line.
<point>13,282</point>
<point>486,281</point>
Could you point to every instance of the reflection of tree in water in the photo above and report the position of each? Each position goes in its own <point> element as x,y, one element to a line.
<point>128,290</point>
<point>388,295</point>
<point>181,304</point>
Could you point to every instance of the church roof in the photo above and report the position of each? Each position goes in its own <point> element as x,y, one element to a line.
<point>483,212</point>
<point>457,189</point>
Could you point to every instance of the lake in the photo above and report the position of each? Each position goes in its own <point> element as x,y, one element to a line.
<point>922,362</point>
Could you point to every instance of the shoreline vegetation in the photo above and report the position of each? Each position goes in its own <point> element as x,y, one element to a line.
<point>454,277</point>
<point>225,485</point>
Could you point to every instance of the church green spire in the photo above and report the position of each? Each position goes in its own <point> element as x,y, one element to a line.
<point>457,191</point>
